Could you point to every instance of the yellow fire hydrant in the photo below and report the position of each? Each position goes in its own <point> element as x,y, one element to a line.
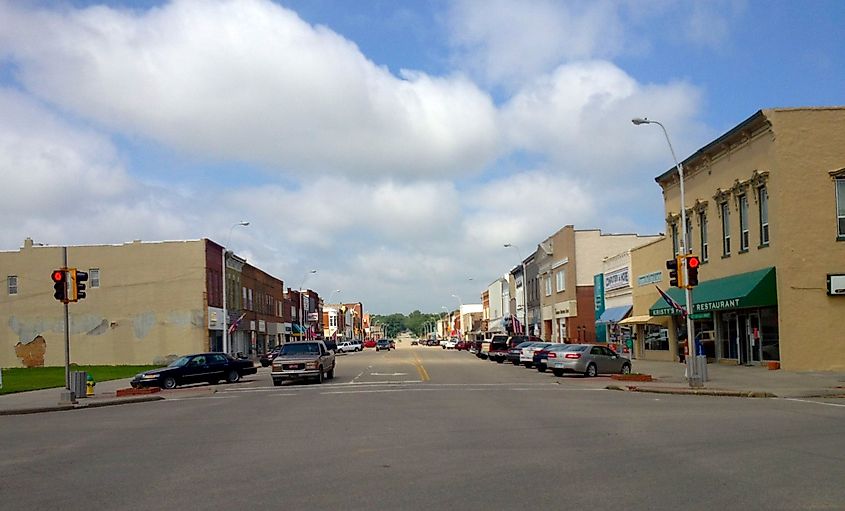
<point>89,385</point>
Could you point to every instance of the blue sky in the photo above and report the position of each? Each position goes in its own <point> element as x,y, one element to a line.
<point>393,146</point>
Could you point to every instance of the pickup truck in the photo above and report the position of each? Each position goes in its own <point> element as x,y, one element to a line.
<point>499,347</point>
<point>308,360</point>
<point>347,346</point>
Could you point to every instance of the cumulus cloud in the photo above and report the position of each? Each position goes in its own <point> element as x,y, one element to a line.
<point>580,115</point>
<point>248,80</point>
<point>506,42</point>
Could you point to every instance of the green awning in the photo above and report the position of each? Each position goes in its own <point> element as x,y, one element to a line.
<point>753,289</point>
<point>298,329</point>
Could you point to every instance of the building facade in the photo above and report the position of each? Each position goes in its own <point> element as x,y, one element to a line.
<point>765,204</point>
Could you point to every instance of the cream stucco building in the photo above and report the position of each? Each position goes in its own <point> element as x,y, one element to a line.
<point>766,215</point>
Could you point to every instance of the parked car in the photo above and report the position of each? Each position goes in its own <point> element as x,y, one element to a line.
<point>415,342</point>
<point>201,367</point>
<point>370,343</point>
<point>513,353</point>
<point>267,358</point>
<point>526,357</point>
<point>498,349</point>
<point>303,360</point>
<point>392,344</point>
<point>462,345</point>
<point>330,344</point>
<point>484,345</point>
<point>589,360</point>
<point>541,356</point>
<point>449,344</point>
<point>383,344</point>
<point>347,346</point>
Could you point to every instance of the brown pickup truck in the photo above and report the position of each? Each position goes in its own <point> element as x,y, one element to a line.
<point>309,360</point>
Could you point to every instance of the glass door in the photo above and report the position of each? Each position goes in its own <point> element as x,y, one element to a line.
<point>752,334</point>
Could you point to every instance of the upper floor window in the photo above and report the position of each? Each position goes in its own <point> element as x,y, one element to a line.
<point>743,223</point>
<point>702,222</point>
<point>94,275</point>
<point>763,194</point>
<point>688,242</point>
<point>561,280</point>
<point>840,207</point>
<point>675,238</point>
<point>12,283</point>
<point>548,286</point>
<point>726,228</point>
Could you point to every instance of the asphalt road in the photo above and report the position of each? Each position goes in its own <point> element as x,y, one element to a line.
<point>424,429</point>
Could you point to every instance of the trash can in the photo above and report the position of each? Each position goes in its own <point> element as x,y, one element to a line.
<point>701,367</point>
<point>78,381</point>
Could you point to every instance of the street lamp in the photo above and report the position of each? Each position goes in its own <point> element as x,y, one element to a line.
<point>694,379</point>
<point>226,348</point>
<point>524,285</point>
<point>302,301</point>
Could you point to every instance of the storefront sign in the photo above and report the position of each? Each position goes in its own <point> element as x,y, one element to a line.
<point>616,279</point>
<point>566,309</point>
<point>697,308</point>
<point>650,278</point>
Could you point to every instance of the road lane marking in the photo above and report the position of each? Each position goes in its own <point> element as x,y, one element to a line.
<point>421,369</point>
<point>813,402</point>
<point>388,374</point>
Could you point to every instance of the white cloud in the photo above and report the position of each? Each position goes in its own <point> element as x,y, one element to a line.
<point>580,115</point>
<point>248,80</point>
<point>506,42</point>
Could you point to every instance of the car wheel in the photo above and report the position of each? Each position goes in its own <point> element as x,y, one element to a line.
<point>330,374</point>
<point>541,368</point>
<point>516,363</point>
<point>626,368</point>
<point>320,376</point>
<point>168,383</point>
<point>591,371</point>
<point>233,376</point>
<point>557,372</point>
<point>277,383</point>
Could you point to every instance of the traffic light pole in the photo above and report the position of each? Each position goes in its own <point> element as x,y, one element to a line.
<point>67,329</point>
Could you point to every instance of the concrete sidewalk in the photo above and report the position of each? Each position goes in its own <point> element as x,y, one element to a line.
<point>740,381</point>
<point>47,400</point>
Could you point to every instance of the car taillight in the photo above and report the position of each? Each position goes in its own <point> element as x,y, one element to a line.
<point>552,355</point>
<point>572,355</point>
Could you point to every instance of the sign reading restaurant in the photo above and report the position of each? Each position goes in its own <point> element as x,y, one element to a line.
<point>731,303</point>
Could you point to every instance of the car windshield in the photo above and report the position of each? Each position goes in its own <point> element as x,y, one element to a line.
<point>301,348</point>
<point>384,342</point>
<point>180,362</point>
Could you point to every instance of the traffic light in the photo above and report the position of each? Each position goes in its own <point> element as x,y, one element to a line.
<point>693,262</point>
<point>676,277</point>
<point>77,284</point>
<point>59,278</point>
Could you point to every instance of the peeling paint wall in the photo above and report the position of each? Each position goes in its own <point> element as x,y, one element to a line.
<point>149,306</point>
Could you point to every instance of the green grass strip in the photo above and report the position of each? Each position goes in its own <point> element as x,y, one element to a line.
<point>21,379</point>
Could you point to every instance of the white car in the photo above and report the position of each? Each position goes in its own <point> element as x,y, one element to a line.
<point>347,346</point>
<point>450,344</point>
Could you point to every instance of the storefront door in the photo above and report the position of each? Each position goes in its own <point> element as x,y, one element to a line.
<point>745,328</point>
<point>752,336</point>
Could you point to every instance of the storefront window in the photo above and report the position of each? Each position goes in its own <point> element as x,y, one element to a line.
<point>656,338</point>
<point>770,339</point>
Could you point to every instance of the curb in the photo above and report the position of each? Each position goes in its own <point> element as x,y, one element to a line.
<point>695,392</point>
<point>63,408</point>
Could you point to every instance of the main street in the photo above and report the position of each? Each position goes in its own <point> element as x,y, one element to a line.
<point>421,428</point>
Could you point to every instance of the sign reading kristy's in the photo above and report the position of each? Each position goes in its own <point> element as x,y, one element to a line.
<point>616,279</point>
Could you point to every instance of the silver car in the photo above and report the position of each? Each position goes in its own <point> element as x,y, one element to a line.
<point>589,360</point>
<point>526,357</point>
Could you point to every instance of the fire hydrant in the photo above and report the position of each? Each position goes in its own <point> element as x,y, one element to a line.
<point>89,385</point>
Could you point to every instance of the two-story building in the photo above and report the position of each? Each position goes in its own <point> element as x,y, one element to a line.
<point>765,207</point>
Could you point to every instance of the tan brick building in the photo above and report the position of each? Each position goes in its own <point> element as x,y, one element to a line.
<point>145,301</point>
<point>766,214</point>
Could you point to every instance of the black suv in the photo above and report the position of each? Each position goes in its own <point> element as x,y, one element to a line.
<point>383,344</point>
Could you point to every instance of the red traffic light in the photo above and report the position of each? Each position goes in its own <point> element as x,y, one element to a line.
<point>693,262</point>
<point>58,275</point>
